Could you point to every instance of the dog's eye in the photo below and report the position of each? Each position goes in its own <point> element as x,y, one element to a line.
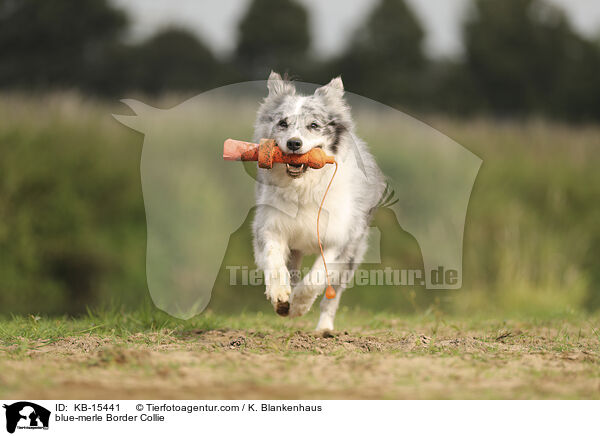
<point>313,126</point>
<point>283,123</point>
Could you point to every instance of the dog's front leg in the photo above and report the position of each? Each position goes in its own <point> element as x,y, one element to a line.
<point>272,259</point>
<point>306,292</point>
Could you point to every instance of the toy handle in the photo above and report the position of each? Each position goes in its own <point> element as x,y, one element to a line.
<point>239,150</point>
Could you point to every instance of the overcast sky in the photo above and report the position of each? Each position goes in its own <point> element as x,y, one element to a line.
<point>332,21</point>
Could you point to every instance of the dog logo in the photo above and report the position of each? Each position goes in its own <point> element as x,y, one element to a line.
<point>26,415</point>
<point>195,200</point>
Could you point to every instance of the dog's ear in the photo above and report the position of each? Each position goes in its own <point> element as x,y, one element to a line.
<point>334,89</point>
<point>278,86</point>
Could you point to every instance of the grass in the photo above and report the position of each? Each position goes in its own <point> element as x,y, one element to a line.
<point>147,354</point>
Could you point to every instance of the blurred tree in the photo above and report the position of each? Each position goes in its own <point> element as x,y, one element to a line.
<point>579,87</point>
<point>55,44</point>
<point>273,35</point>
<point>385,58</point>
<point>524,57</point>
<point>173,59</point>
<point>450,88</point>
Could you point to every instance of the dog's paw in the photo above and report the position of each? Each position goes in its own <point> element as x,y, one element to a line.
<point>282,308</point>
<point>279,297</point>
<point>296,310</point>
<point>301,300</point>
<point>299,306</point>
<point>325,325</point>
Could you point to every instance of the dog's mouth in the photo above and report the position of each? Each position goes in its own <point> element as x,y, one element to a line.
<point>295,171</point>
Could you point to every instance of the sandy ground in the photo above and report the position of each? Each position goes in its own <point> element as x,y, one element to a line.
<point>238,364</point>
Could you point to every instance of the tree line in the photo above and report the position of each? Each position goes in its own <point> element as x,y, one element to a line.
<point>521,57</point>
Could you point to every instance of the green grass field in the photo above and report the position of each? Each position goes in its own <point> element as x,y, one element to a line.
<point>384,356</point>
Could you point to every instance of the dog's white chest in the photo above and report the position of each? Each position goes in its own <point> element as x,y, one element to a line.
<point>303,229</point>
<point>333,227</point>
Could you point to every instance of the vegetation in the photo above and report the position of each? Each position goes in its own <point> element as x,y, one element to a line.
<point>73,233</point>
<point>385,58</point>
<point>259,51</point>
<point>521,57</point>
<point>145,354</point>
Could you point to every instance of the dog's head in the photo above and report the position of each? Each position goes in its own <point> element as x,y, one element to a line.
<point>301,122</point>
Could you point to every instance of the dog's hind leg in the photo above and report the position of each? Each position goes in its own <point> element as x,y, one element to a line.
<point>312,284</point>
<point>329,307</point>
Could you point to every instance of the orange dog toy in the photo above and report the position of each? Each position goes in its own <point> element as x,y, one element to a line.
<point>266,154</point>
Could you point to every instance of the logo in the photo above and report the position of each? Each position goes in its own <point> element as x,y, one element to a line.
<point>26,415</point>
<point>199,205</point>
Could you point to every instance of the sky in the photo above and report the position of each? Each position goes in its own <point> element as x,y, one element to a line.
<point>332,21</point>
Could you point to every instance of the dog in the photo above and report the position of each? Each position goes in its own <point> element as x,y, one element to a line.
<point>288,198</point>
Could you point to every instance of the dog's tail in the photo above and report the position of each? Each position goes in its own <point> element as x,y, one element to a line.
<point>388,197</point>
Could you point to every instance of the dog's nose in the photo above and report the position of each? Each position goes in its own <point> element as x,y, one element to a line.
<point>294,144</point>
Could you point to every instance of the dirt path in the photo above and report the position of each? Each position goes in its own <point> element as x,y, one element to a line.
<point>237,364</point>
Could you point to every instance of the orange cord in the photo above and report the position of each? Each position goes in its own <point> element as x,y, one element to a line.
<point>330,292</point>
